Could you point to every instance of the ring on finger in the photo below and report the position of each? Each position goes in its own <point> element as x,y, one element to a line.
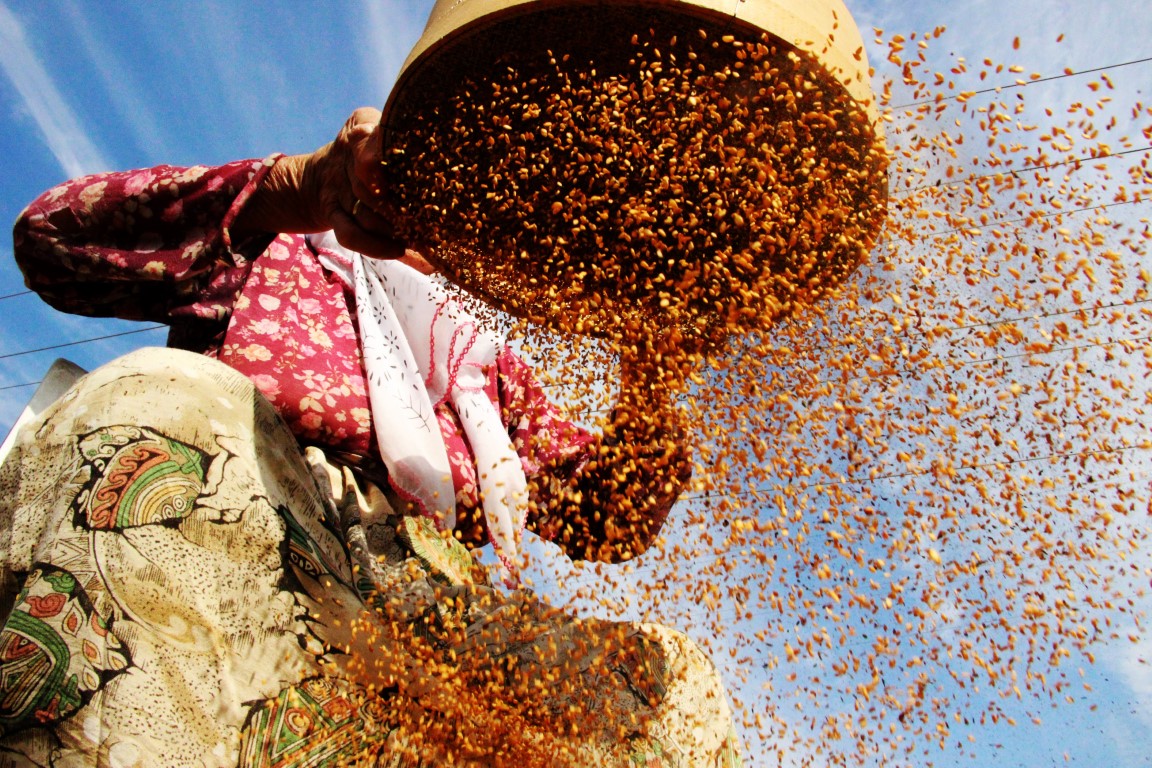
<point>356,207</point>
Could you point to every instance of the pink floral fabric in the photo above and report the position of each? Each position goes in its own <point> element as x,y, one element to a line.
<point>291,333</point>
<point>148,244</point>
<point>156,244</point>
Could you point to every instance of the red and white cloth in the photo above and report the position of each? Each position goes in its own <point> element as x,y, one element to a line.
<point>422,349</point>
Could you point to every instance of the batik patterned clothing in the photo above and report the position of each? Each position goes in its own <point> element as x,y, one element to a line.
<point>181,585</point>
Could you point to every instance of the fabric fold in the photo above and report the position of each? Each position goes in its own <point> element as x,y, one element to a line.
<point>423,349</point>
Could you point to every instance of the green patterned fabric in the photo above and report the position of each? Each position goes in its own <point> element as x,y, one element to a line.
<point>444,557</point>
<point>137,477</point>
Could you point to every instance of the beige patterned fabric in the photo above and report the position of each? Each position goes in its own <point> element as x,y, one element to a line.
<point>180,585</point>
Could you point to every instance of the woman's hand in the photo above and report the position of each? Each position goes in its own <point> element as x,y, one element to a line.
<point>334,188</point>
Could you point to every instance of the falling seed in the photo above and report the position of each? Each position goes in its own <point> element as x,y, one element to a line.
<point>970,392</point>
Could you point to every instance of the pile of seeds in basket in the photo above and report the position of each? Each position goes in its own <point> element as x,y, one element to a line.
<point>674,179</point>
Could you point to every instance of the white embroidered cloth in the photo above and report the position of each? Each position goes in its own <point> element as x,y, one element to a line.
<point>421,349</point>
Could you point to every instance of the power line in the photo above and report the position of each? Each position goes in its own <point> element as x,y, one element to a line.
<point>18,386</point>
<point>1018,84</point>
<point>965,94</point>
<point>1053,351</point>
<point>82,341</point>
<point>1043,315</point>
<point>1045,215</point>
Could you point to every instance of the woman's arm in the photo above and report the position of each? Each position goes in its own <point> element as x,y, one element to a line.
<point>136,244</point>
<point>164,242</point>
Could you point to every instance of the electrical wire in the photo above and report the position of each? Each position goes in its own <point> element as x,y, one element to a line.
<point>1019,84</point>
<point>18,386</point>
<point>81,341</point>
<point>1024,169</point>
<point>902,106</point>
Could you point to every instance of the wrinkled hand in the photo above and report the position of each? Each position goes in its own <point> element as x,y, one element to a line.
<point>336,187</point>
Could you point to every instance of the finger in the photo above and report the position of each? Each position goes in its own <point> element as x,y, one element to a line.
<point>417,261</point>
<point>369,116</point>
<point>370,218</point>
<point>350,234</point>
<point>372,221</point>
<point>367,187</point>
<point>367,165</point>
<point>359,125</point>
<point>361,153</point>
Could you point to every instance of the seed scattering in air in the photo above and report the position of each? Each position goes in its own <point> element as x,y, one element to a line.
<point>911,358</point>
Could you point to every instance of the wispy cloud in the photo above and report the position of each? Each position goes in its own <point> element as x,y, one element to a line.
<point>58,125</point>
<point>120,81</point>
<point>391,31</point>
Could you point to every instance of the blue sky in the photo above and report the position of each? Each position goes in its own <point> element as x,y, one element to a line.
<point>85,89</point>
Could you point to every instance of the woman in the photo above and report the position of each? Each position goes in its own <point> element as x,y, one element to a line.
<point>256,560</point>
